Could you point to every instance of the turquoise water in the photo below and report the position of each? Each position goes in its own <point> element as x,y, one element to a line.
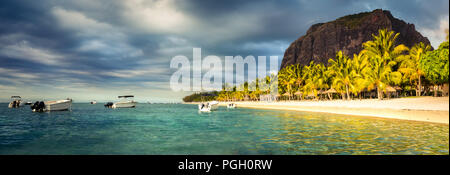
<point>180,129</point>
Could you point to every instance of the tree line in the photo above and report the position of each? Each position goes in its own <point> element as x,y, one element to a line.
<point>380,66</point>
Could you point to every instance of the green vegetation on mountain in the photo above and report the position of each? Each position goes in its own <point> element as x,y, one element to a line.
<point>352,21</point>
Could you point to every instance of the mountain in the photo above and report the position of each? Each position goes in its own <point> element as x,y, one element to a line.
<point>347,33</point>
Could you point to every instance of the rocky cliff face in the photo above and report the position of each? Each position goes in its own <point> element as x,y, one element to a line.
<point>347,33</point>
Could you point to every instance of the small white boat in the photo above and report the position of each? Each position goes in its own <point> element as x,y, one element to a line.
<point>208,107</point>
<point>214,105</point>
<point>94,102</point>
<point>57,105</point>
<point>231,105</point>
<point>127,102</point>
<point>16,102</point>
<point>204,107</point>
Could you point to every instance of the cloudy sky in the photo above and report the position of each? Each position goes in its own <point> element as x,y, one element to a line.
<point>86,49</point>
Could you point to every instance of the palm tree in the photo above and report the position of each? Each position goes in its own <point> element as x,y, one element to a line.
<point>410,65</point>
<point>321,77</point>
<point>264,85</point>
<point>269,84</point>
<point>245,92</point>
<point>298,75</point>
<point>286,79</point>
<point>340,70</point>
<point>360,65</point>
<point>382,53</point>
<point>308,76</point>
<point>254,89</point>
<point>315,78</point>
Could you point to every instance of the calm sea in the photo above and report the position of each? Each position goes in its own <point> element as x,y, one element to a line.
<point>181,129</point>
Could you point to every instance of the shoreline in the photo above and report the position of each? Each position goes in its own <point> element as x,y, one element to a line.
<point>423,109</point>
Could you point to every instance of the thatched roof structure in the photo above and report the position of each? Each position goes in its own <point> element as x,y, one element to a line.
<point>298,93</point>
<point>390,89</point>
<point>331,91</point>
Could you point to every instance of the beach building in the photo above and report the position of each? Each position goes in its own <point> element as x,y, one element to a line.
<point>268,98</point>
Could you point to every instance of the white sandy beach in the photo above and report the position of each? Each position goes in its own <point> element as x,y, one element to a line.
<point>426,109</point>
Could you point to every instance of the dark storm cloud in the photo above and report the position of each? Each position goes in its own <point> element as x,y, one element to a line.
<point>289,19</point>
<point>117,43</point>
<point>32,21</point>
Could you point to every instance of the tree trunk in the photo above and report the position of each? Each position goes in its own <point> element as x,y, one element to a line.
<point>417,91</point>
<point>329,96</point>
<point>425,91</point>
<point>379,94</point>
<point>435,90</point>
<point>348,94</point>
<point>419,88</point>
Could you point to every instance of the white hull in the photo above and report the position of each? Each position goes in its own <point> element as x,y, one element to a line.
<point>214,107</point>
<point>128,104</point>
<point>207,107</point>
<point>60,105</point>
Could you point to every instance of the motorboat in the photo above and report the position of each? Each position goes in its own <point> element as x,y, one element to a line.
<point>208,107</point>
<point>16,102</point>
<point>38,106</point>
<point>204,107</point>
<point>28,103</point>
<point>94,102</point>
<point>231,105</point>
<point>108,105</point>
<point>214,105</point>
<point>126,102</point>
<point>57,105</point>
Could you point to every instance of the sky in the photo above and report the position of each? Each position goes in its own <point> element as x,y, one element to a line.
<point>97,50</point>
